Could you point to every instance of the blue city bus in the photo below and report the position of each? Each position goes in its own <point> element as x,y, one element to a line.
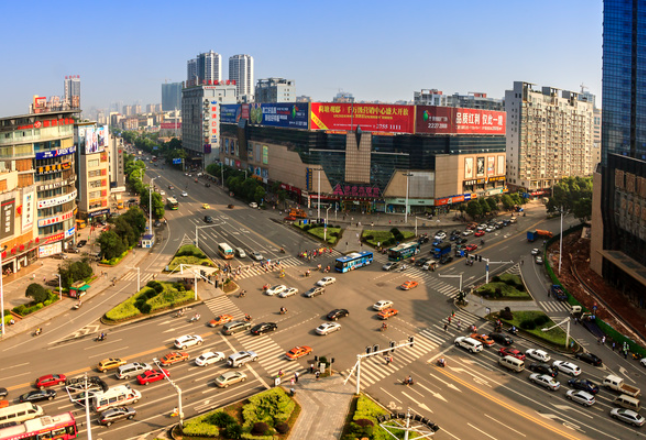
<point>353,261</point>
<point>403,251</point>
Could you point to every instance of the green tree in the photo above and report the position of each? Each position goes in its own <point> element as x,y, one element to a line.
<point>36,292</point>
<point>486,209</point>
<point>282,196</point>
<point>125,230</point>
<point>569,190</point>
<point>111,245</point>
<point>158,204</point>
<point>249,188</point>
<point>507,201</point>
<point>583,209</point>
<point>137,219</point>
<point>474,209</point>
<point>493,203</point>
<point>260,194</point>
<point>72,272</point>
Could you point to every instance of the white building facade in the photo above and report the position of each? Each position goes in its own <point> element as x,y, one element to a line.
<point>241,71</point>
<point>275,90</point>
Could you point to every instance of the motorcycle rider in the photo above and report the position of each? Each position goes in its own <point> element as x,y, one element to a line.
<point>442,362</point>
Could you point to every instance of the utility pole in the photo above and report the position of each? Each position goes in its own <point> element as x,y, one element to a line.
<point>406,207</point>
<point>488,262</point>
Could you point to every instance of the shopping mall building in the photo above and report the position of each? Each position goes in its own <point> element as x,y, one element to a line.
<point>368,157</point>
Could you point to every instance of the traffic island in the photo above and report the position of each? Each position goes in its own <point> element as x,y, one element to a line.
<point>385,238</point>
<point>268,415</point>
<point>189,255</point>
<point>505,287</point>
<point>154,297</point>
<point>330,237</point>
<point>538,326</point>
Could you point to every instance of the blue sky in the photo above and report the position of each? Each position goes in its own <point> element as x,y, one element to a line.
<point>124,51</point>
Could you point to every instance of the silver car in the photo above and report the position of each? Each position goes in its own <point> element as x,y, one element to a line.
<point>627,416</point>
<point>230,378</point>
<point>580,397</point>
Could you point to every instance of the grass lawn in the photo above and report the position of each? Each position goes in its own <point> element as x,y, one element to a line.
<point>504,287</point>
<point>189,254</point>
<point>148,300</point>
<point>333,234</point>
<point>379,238</point>
<point>556,336</point>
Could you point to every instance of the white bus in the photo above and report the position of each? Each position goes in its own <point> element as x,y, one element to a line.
<point>225,251</point>
<point>20,412</point>
<point>116,396</point>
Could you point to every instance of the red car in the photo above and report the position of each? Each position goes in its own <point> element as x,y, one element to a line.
<point>174,357</point>
<point>151,376</point>
<point>471,247</point>
<point>479,233</point>
<point>50,380</point>
<point>506,351</point>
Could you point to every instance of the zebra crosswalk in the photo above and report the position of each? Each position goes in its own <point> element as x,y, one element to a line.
<point>554,306</point>
<point>132,276</point>
<point>375,369</point>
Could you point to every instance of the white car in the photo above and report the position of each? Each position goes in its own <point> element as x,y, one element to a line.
<point>539,355</point>
<point>467,232</point>
<point>490,229</point>
<point>291,291</point>
<point>328,327</point>
<point>276,290</point>
<point>627,416</point>
<point>643,362</point>
<point>184,194</point>
<point>257,256</point>
<point>187,341</point>
<point>382,304</point>
<point>441,235</point>
<point>326,281</point>
<point>253,205</point>
<point>162,193</point>
<point>535,251</point>
<point>580,397</point>
<point>545,381</point>
<point>209,358</point>
<point>567,367</point>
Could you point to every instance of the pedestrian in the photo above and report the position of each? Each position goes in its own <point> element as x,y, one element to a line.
<point>625,354</point>
<point>522,261</point>
<point>548,292</point>
<point>312,368</point>
<point>292,381</point>
<point>449,319</point>
<point>603,339</point>
<point>459,323</point>
<point>296,376</point>
<point>446,326</point>
<point>318,375</point>
<point>387,359</point>
<point>452,314</point>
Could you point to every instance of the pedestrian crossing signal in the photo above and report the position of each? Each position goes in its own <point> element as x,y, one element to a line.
<point>393,344</point>
<point>375,348</point>
<point>411,341</point>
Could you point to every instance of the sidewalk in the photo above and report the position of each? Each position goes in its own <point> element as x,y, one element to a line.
<point>324,407</point>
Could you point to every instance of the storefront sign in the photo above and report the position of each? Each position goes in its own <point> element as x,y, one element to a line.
<point>450,120</point>
<point>497,179</point>
<point>55,185</point>
<point>50,249</point>
<point>449,200</point>
<point>55,237</point>
<point>70,232</point>
<point>52,220</point>
<point>56,153</point>
<point>491,192</point>
<point>474,182</point>
<point>7,215</point>
<point>57,200</point>
<point>290,188</point>
<point>99,213</point>
<point>370,117</point>
<point>356,191</point>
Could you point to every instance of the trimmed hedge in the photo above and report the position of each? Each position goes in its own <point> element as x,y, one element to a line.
<point>26,309</point>
<point>148,300</point>
<point>201,426</point>
<point>272,406</point>
<point>386,238</point>
<point>190,254</point>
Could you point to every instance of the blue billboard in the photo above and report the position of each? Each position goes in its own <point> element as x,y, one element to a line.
<point>230,113</point>
<point>56,153</point>
<point>177,161</point>
<point>286,115</point>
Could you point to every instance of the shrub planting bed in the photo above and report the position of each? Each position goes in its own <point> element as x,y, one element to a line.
<point>334,233</point>
<point>190,254</point>
<point>533,322</point>
<point>389,238</point>
<point>505,287</point>
<point>26,309</point>
<point>153,297</point>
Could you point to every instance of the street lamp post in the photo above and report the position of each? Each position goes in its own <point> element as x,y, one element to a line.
<point>177,389</point>
<point>1,297</point>
<point>87,410</point>
<point>454,276</point>
<point>327,216</point>
<point>60,288</point>
<point>150,203</point>
<point>406,207</point>
<point>319,196</point>
<point>561,241</point>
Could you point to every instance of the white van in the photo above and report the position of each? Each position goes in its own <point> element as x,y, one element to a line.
<point>19,413</point>
<point>469,344</point>
<point>512,363</point>
<point>117,396</point>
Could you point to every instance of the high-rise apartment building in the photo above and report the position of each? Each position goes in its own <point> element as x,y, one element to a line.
<point>275,90</point>
<point>73,90</point>
<point>171,96</point>
<point>209,67</point>
<point>618,236</point>
<point>191,70</point>
<point>437,98</point>
<point>241,71</point>
<point>549,137</point>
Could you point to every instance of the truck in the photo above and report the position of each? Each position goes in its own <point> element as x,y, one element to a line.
<point>617,384</point>
<point>441,249</point>
<point>298,213</point>
<point>533,235</point>
<point>558,293</point>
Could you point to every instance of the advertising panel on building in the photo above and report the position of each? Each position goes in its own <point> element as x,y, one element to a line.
<point>370,117</point>
<point>27,209</point>
<point>102,135</point>
<point>284,115</point>
<point>230,113</point>
<point>7,215</point>
<point>56,153</point>
<point>170,125</point>
<point>450,120</point>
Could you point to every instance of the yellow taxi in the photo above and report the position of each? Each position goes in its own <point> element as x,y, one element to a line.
<point>408,285</point>
<point>110,364</point>
<point>206,206</point>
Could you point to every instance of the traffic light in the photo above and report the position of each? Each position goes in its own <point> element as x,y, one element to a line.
<point>466,255</point>
<point>411,341</point>
<point>375,348</point>
<point>393,344</point>
<point>316,358</point>
<point>332,360</point>
<point>479,257</point>
<point>368,349</point>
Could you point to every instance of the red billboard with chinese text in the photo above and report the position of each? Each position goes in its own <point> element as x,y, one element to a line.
<point>370,117</point>
<point>449,120</point>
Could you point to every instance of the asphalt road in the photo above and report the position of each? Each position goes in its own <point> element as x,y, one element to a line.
<point>471,398</point>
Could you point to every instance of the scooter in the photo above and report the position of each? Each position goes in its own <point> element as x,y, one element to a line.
<point>441,364</point>
<point>194,318</point>
<point>513,332</point>
<point>406,382</point>
<point>100,338</point>
<point>179,314</point>
<point>242,294</point>
<point>469,263</point>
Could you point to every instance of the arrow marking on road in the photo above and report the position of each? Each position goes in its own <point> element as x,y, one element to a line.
<point>436,395</point>
<point>450,385</point>
<point>567,408</point>
<point>391,395</point>
<point>421,405</point>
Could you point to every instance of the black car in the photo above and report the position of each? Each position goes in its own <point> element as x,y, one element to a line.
<point>208,185</point>
<point>456,232</point>
<point>35,396</point>
<point>541,368</point>
<point>501,338</point>
<point>109,416</point>
<point>446,259</point>
<point>264,327</point>
<point>421,261</point>
<point>337,314</point>
<point>583,384</point>
<point>208,219</point>
<point>81,243</point>
<point>589,358</point>
<point>423,239</point>
<point>461,240</point>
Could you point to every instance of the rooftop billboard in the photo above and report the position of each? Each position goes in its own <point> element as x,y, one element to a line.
<point>450,120</point>
<point>370,117</point>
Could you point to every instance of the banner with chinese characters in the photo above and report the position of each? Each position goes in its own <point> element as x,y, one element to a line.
<point>449,120</point>
<point>370,117</point>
